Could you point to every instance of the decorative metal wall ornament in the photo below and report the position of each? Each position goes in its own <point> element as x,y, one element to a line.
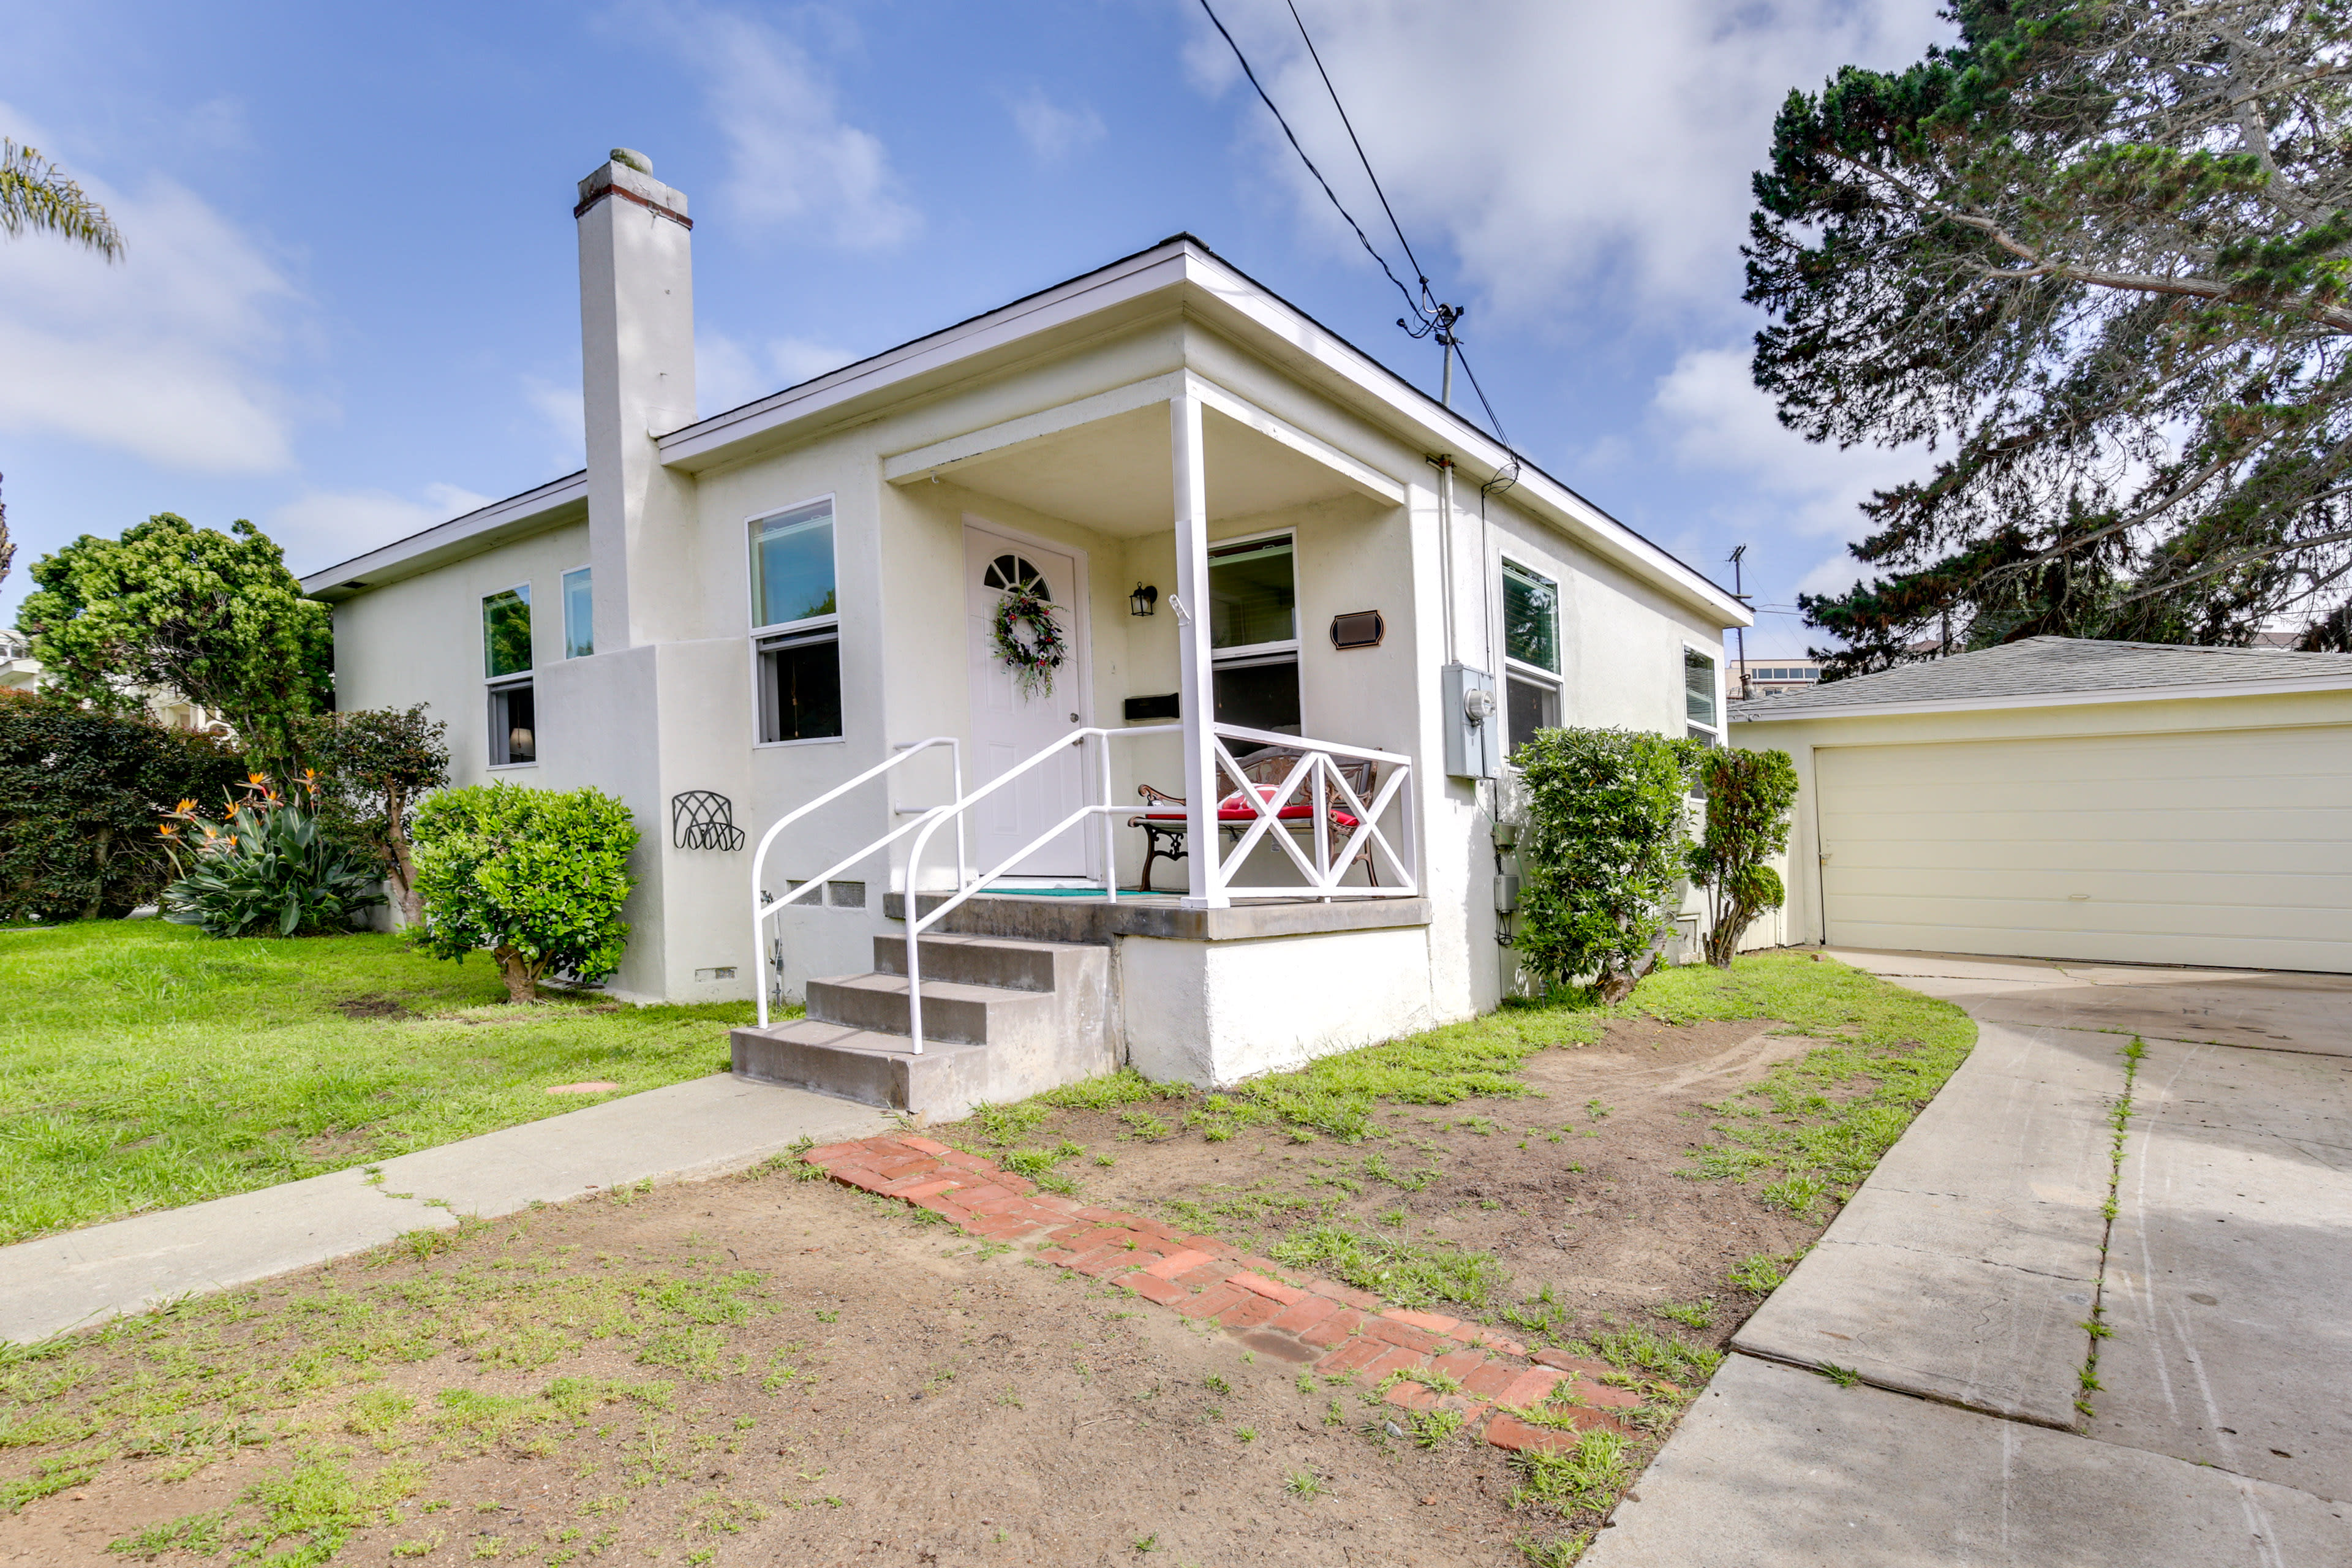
<point>1358,628</point>
<point>1032,662</point>
<point>703,819</point>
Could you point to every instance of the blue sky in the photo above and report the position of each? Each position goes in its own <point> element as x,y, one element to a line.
<point>349,307</point>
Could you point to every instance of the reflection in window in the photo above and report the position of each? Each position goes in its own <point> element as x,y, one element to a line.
<point>1530,617</point>
<point>791,566</point>
<point>505,632</point>
<point>579,615</point>
<point>1253,596</point>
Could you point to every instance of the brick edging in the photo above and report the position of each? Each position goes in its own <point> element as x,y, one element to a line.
<point>1319,1323</point>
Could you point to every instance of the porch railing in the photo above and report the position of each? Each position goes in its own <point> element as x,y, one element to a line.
<point>764,906</point>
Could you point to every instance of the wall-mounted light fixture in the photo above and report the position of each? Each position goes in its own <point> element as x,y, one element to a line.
<point>1142,601</point>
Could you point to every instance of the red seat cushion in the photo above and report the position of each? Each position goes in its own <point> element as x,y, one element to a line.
<point>1232,808</point>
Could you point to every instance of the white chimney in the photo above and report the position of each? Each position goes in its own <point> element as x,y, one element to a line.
<point>636,354</point>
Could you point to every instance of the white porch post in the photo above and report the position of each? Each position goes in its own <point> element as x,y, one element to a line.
<point>1195,683</point>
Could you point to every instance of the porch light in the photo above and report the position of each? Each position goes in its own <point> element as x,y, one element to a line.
<point>1142,601</point>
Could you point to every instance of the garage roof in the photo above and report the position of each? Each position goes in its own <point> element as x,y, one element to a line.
<point>2036,671</point>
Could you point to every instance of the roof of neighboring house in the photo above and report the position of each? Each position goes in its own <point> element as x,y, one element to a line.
<point>1337,367</point>
<point>2038,670</point>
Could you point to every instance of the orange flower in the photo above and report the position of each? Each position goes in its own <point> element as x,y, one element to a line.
<point>257,778</point>
<point>168,831</point>
<point>184,808</point>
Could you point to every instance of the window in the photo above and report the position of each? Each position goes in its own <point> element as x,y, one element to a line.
<point>1698,696</point>
<point>791,566</point>
<point>505,632</point>
<point>1531,654</point>
<point>579,615</point>
<point>794,607</point>
<point>1253,633</point>
<point>514,725</point>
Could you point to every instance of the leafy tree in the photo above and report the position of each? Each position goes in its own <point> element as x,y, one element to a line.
<point>535,876</point>
<point>7,545</point>
<point>80,793</point>
<point>1602,854</point>
<point>37,195</point>
<point>214,616</point>
<point>1748,797</point>
<point>375,764</point>
<point>2098,255</point>
<point>267,868</point>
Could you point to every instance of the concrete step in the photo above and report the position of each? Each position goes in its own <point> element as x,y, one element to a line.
<point>1008,962</point>
<point>945,1081</point>
<point>953,1011</point>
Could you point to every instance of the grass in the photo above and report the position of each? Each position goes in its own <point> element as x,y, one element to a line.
<point>144,1065</point>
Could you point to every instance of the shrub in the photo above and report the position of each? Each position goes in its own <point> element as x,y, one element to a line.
<point>270,869</point>
<point>536,877</point>
<point>1748,794</point>
<point>80,791</point>
<point>1602,853</point>
<point>375,764</point>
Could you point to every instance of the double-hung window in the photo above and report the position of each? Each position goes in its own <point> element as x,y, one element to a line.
<point>796,625</point>
<point>1530,653</point>
<point>1702,696</point>
<point>506,670</point>
<point>1253,633</point>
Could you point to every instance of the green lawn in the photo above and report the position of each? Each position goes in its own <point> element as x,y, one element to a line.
<point>143,1065</point>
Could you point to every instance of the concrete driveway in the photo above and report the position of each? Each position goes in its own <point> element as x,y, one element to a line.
<point>2212,1239</point>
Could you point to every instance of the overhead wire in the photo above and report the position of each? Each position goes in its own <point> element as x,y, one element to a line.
<point>1428,301</point>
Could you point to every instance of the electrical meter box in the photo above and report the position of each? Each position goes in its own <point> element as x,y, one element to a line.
<point>1474,723</point>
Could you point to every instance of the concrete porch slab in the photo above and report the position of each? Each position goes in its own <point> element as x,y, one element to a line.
<point>1777,1468</point>
<point>1964,1265</point>
<point>1094,921</point>
<point>701,1128</point>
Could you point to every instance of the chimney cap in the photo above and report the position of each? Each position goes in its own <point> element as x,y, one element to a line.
<point>632,158</point>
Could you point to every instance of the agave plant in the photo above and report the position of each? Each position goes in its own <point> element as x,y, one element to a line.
<point>265,868</point>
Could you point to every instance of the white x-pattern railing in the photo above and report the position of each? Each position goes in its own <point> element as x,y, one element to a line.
<point>1318,780</point>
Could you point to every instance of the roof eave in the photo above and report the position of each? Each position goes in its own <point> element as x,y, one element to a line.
<point>516,517</point>
<point>2053,699</point>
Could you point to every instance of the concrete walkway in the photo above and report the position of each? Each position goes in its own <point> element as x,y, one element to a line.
<point>1957,1282</point>
<point>705,1127</point>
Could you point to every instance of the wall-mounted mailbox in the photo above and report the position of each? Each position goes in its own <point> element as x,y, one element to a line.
<point>1141,708</point>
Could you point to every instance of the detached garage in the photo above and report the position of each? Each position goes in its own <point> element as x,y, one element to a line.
<point>2060,798</point>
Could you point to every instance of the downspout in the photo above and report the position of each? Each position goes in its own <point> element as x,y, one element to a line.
<point>1445,463</point>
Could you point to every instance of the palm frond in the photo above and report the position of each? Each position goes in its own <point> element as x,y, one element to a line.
<point>37,195</point>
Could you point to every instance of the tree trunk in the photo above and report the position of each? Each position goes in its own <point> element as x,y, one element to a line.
<point>101,852</point>
<point>522,980</point>
<point>403,882</point>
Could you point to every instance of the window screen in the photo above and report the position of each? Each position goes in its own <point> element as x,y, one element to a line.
<point>1259,693</point>
<point>505,632</point>
<point>579,615</point>
<point>1532,705</point>
<point>791,566</point>
<point>1530,617</point>
<point>1252,594</point>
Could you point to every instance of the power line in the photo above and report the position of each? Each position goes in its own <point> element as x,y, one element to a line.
<point>1426,302</point>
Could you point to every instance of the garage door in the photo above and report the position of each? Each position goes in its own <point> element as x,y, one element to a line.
<point>2225,847</point>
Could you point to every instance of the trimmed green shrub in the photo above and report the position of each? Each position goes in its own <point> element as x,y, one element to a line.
<point>270,869</point>
<point>375,765</point>
<point>1603,855</point>
<point>81,793</point>
<point>535,877</point>
<point>1749,797</point>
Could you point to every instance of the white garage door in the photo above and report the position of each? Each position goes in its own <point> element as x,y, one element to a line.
<point>2224,848</point>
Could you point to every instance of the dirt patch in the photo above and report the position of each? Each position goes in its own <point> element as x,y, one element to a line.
<point>373,1005</point>
<point>1576,1187</point>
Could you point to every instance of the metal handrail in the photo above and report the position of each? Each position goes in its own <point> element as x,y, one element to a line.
<point>762,906</point>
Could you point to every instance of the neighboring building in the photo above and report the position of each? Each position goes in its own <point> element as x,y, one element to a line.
<point>1251,535</point>
<point>19,670</point>
<point>2062,798</point>
<point>1769,676</point>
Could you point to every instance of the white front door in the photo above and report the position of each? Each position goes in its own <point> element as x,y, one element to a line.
<point>1009,724</point>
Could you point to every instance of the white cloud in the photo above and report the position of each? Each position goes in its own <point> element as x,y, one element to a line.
<point>318,527</point>
<point>728,374</point>
<point>792,157</point>
<point>1052,132</point>
<point>1561,148</point>
<point>169,354</point>
<point>563,413</point>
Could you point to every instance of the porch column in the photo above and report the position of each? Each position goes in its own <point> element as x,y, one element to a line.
<point>1195,682</point>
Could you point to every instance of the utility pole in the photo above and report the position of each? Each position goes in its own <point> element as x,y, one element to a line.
<point>1441,327</point>
<point>1740,633</point>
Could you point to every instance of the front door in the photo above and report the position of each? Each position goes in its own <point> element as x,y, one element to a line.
<point>1010,722</point>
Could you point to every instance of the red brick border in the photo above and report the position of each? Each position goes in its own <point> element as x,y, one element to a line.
<point>1315,1322</point>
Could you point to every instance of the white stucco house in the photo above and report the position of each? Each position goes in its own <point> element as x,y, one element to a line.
<point>1269,558</point>
<point>2069,798</point>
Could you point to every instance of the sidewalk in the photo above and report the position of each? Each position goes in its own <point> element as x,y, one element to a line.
<point>702,1128</point>
<point>1957,1282</point>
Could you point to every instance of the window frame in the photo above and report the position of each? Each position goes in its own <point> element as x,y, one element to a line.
<point>1516,668</point>
<point>1716,661</point>
<point>765,639</point>
<point>493,688</point>
<point>1243,656</point>
<point>563,594</point>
